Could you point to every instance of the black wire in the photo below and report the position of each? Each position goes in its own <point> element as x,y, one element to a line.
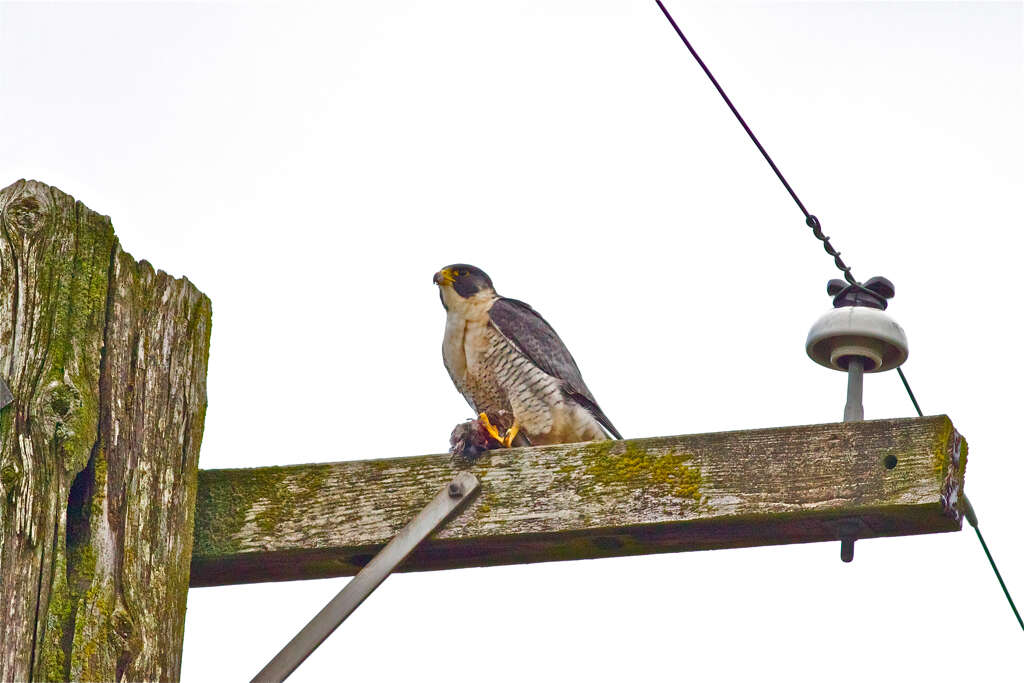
<point>811,220</point>
<point>815,226</point>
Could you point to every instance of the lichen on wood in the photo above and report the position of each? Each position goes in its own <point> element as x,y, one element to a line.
<point>98,453</point>
<point>575,501</point>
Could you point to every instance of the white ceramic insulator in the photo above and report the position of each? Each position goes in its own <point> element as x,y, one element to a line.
<point>857,331</point>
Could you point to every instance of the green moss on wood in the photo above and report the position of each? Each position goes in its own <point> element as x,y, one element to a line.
<point>940,448</point>
<point>629,464</point>
<point>52,663</point>
<point>99,483</point>
<point>266,496</point>
<point>73,280</point>
<point>9,476</point>
<point>277,497</point>
<point>221,504</point>
<point>94,650</point>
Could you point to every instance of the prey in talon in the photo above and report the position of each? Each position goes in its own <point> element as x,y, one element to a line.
<point>513,369</point>
<point>473,438</point>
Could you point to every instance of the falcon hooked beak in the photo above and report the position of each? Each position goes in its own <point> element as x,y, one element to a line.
<point>444,277</point>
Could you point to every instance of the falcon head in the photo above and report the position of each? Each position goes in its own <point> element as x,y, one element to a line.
<point>461,284</point>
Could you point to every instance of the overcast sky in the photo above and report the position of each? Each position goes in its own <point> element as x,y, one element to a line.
<point>309,167</point>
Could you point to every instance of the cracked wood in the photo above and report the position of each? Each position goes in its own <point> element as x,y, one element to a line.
<point>706,491</point>
<point>99,451</point>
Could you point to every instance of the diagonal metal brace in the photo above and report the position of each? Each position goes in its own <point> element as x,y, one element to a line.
<point>453,496</point>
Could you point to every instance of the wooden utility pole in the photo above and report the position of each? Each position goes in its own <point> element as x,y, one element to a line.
<point>106,359</point>
<point>850,480</point>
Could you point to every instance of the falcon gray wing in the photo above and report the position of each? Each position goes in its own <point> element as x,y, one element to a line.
<point>525,329</point>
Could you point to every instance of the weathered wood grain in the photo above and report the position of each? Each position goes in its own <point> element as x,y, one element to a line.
<point>725,490</point>
<point>143,477</point>
<point>98,453</point>
<point>54,258</point>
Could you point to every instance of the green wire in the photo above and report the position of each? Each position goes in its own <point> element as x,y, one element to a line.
<point>999,576</point>
<point>971,518</point>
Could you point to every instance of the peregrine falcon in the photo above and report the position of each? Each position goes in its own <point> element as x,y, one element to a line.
<point>505,359</point>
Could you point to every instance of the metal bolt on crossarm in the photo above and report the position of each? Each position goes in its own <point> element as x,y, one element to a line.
<point>855,337</point>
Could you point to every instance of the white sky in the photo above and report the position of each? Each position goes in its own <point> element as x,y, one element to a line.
<point>309,167</point>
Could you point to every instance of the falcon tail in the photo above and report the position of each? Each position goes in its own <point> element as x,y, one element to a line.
<point>598,414</point>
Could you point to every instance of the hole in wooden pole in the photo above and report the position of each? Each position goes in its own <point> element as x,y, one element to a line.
<point>890,462</point>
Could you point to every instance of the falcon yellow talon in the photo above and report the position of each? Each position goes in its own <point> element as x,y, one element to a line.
<point>510,435</point>
<point>506,440</point>
<point>491,429</point>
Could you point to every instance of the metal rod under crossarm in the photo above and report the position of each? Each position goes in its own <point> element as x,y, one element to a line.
<point>446,502</point>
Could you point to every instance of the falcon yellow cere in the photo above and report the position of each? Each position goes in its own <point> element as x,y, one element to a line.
<point>505,359</point>
<point>445,276</point>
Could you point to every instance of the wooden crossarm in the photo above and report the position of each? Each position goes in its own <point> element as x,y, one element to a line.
<point>669,494</point>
